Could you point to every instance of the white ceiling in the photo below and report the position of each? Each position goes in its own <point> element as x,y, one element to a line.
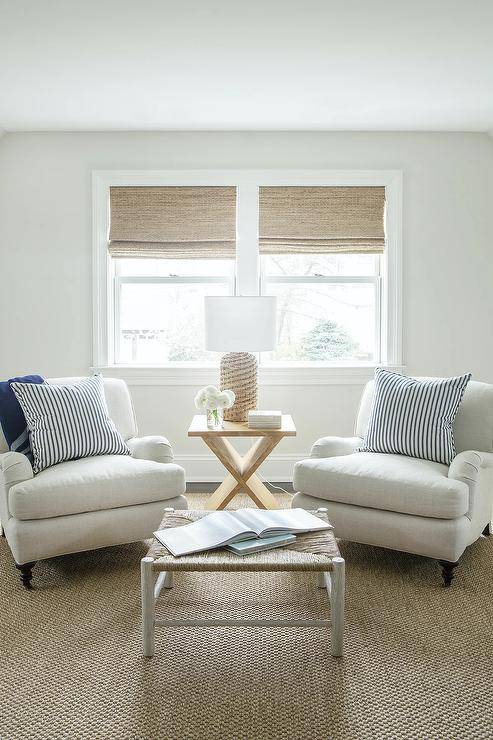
<point>246,64</point>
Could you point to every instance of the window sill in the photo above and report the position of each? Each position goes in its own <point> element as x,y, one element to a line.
<point>269,375</point>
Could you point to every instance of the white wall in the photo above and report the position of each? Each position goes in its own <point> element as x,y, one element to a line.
<point>45,250</point>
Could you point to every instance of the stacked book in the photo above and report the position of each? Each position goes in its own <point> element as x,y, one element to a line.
<point>264,419</point>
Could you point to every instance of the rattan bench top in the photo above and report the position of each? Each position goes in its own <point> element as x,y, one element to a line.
<point>312,551</point>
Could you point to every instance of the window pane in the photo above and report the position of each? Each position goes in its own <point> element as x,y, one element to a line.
<point>164,323</point>
<point>324,323</point>
<point>321,264</point>
<point>164,268</point>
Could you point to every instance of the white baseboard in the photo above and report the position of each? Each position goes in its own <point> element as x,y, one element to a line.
<point>207,469</point>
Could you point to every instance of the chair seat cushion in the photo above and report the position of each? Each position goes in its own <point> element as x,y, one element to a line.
<point>382,481</point>
<point>94,484</point>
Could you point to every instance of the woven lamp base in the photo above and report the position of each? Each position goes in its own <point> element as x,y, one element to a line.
<point>239,373</point>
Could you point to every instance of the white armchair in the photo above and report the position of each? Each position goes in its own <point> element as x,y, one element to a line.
<point>92,502</point>
<point>401,502</point>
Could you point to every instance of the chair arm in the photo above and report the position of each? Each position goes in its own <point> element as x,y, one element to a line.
<point>153,448</point>
<point>14,468</point>
<point>335,446</point>
<point>475,469</point>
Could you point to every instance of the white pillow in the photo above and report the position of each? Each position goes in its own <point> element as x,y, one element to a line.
<point>67,422</point>
<point>414,417</point>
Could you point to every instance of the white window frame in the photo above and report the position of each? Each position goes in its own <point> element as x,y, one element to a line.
<point>247,183</point>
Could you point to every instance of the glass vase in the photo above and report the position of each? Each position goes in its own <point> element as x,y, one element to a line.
<point>214,419</point>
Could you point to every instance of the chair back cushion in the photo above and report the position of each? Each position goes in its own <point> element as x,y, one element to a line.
<point>473,425</point>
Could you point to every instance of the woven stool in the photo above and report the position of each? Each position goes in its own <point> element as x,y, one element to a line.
<point>315,552</point>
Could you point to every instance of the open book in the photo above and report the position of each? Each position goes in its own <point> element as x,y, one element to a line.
<point>223,527</point>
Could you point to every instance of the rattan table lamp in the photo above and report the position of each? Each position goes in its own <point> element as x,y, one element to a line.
<point>240,325</point>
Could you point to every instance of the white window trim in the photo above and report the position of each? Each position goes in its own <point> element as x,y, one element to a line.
<point>248,269</point>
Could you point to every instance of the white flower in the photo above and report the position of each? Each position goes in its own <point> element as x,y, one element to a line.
<point>206,398</point>
<point>213,402</point>
<point>227,398</point>
<point>222,401</point>
<point>201,400</point>
<point>210,398</point>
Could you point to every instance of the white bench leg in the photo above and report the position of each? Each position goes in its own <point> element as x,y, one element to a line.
<point>321,583</point>
<point>337,578</point>
<point>168,580</point>
<point>148,605</point>
<point>164,580</point>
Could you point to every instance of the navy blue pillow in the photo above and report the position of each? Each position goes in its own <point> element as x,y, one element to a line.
<point>12,419</point>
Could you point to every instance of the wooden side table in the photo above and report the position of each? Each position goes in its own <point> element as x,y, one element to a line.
<point>241,470</point>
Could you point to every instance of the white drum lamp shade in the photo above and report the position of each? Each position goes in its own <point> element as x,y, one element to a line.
<point>240,325</point>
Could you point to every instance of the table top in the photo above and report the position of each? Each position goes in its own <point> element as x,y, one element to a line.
<point>198,428</point>
<point>312,551</point>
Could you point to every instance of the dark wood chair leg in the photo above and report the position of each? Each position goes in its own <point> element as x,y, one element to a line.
<point>487,530</point>
<point>26,573</point>
<point>448,571</point>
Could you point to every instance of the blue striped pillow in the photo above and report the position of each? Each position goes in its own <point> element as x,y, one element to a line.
<point>67,422</point>
<point>414,417</point>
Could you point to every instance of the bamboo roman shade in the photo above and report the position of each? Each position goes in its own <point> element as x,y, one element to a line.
<point>173,222</point>
<point>316,220</point>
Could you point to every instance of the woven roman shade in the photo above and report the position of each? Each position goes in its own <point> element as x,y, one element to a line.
<point>173,222</point>
<point>317,220</point>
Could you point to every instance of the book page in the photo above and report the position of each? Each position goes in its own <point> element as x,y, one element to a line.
<point>280,520</point>
<point>213,530</point>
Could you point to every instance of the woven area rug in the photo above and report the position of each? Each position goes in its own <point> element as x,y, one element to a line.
<point>418,660</point>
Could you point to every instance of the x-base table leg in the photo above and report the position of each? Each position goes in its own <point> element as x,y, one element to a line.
<point>241,471</point>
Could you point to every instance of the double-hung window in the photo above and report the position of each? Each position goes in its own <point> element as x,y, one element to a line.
<point>326,244</point>
<point>320,255</point>
<point>170,247</point>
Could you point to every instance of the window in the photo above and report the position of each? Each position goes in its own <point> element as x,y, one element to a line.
<point>320,248</point>
<point>326,244</point>
<point>159,308</point>
<point>170,247</point>
<point>327,306</point>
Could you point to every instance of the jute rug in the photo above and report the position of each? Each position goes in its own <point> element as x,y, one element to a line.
<point>418,661</point>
